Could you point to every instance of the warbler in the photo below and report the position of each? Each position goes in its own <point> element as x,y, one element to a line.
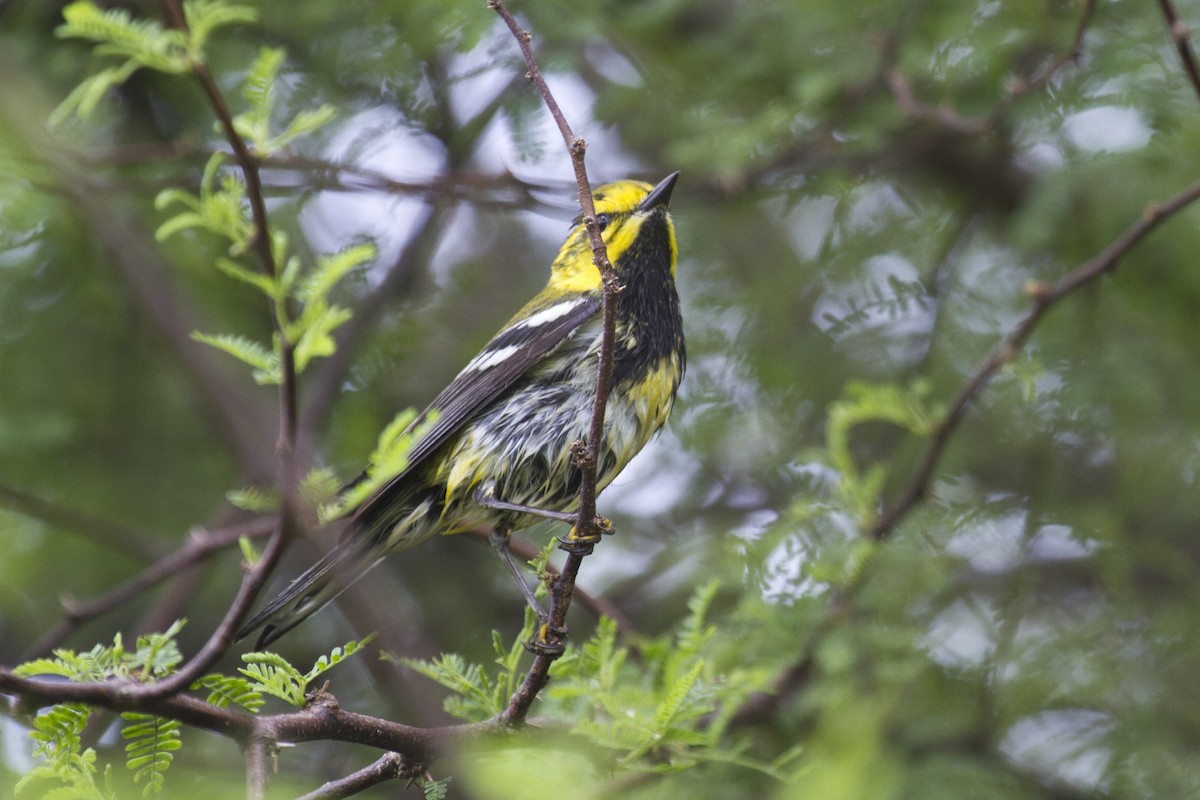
<point>497,441</point>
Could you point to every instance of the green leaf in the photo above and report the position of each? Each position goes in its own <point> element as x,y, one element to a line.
<point>302,124</point>
<point>337,656</point>
<point>331,270</point>
<point>254,498</point>
<point>150,749</point>
<point>435,790</point>
<point>271,674</point>
<point>258,88</point>
<point>227,690</point>
<point>475,699</point>
<point>315,338</point>
<point>205,16</point>
<point>265,362</point>
<point>389,458</point>
<point>259,280</point>
<point>116,33</point>
<point>83,99</point>
<point>250,554</point>
<point>157,654</point>
<point>667,710</point>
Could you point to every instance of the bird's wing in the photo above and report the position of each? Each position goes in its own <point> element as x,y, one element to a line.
<point>506,358</point>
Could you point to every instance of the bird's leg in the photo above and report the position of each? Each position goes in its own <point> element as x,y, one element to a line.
<point>545,640</point>
<point>487,499</point>
<point>571,543</point>
<point>500,538</point>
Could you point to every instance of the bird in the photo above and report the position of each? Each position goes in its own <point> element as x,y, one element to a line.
<point>493,450</point>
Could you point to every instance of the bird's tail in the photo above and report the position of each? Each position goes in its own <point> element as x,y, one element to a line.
<point>347,562</point>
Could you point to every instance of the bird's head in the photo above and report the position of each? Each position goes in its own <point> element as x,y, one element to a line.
<point>635,223</point>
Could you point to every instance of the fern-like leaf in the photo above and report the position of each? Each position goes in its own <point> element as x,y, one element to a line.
<point>337,656</point>
<point>227,690</point>
<point>265,362</point>
<point>332,269</point>
<point>270,673</point>
<point>150,748</point>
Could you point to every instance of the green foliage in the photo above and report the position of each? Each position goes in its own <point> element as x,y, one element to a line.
<point>228,690</point>
<point>388,459</point>
<point>141,43</point>
<point>150,748</point>
<point>646,712</point>
<point>435,790</point>
<point>477,695</point>
<point>70,770</point>
<point>259,90</point>
<point>848,257</point>
<point>270,673</point>
<point>866,403</point>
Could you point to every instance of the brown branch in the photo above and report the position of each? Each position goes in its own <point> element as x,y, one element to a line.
<point>942,116</point>
<point>553,632</point>
<point>1181,38</point>
<point>199,545</point>
<point>222,637</point>
<point>1044,298</point>
<point>126,539</point>
<point>1021,86</point>
<point>321,719</point>
<point>389,767</point>
<point>258,754</point>
<point>288,522</point>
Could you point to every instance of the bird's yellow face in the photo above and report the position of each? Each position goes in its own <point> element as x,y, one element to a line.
<point>626,211</point>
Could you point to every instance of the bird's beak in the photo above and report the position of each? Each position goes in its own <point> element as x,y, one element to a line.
<point>660,195</point>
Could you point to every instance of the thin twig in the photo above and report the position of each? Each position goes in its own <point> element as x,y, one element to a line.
<point>942,116</point>
<point>198,546</point>
<point>1022,86</point>
<point>285,447</point>
<point>586,456</point>
<point>1181,38</point>
<point>134,542</point>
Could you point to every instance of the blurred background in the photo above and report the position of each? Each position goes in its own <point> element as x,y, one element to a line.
<point>867,193</point>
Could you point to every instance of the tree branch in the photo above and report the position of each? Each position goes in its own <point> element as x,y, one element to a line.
<point>388,767</point>
<point>553,633</point>
<point>1044,298</point>
<point>199,545</point>
<point>1181,38</point>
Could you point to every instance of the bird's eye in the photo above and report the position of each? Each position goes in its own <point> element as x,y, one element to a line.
<point>602,221</point>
